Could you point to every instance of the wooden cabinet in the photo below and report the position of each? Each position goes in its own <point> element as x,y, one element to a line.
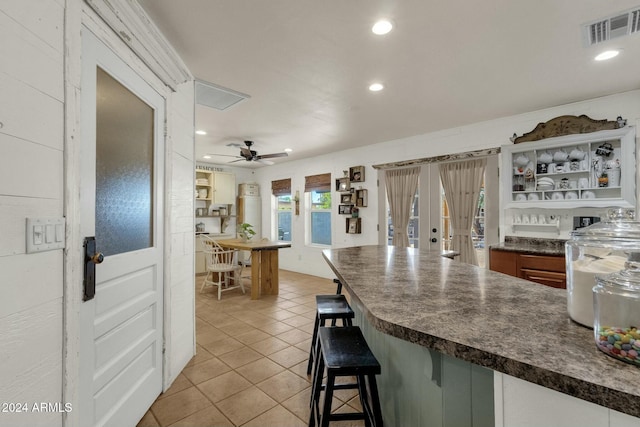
<point>544,269</point>
<point>224,188</point>
<point>504,262</point>
<point>215,187</point>
<point>568,171</point>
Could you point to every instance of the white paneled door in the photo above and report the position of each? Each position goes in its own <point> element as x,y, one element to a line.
<point>121,206</point>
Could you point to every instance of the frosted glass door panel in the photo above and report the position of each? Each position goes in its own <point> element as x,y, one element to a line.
<point>124,168</point>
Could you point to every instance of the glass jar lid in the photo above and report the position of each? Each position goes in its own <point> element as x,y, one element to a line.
<point>619,224</point>
<point>627,280</point>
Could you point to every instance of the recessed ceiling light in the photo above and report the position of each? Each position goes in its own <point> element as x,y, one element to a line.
<point>382,27</point>
<point>376,87</point>
<point>206,156</point>
<point>288,150</point>
<point>607,55</point>
<point>201,132</point>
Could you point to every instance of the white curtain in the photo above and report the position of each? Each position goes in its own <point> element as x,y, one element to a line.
<point>401,185</point>
<point>462,182</point>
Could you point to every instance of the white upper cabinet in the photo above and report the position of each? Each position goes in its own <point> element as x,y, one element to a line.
<point>583,170</point>
<point>215,187</point>
<point>224,188</point>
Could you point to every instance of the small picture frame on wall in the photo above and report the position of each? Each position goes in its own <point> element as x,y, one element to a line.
<point>353,226</point>
<point>344,209</point>
<point>356,174</point>
<point>343,184</point>
<point>345,198</point>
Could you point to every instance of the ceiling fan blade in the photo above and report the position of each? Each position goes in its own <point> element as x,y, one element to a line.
<point>264,162</point>
<point>270,156</point>
<point>233,144</point>
<point>246,152</point>
<point>223,155</point>
<point>239,160</point>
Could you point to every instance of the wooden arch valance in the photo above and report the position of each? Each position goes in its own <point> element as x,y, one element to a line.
<point>568,125</point>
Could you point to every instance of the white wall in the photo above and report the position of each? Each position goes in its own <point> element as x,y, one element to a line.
<point>476,136</point>
<point>180,270</point>
<point>31,184</point>
<point>33,151</point>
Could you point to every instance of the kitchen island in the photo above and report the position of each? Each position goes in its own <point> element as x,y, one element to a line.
<point>490,320</point>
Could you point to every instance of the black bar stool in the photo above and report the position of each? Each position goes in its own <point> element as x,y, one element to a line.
<point>344,352</point>
<point>339,287</point>
<point>329,307</point>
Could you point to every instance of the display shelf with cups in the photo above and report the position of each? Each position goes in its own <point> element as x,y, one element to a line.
<point>204,185</point>
<point>594,169</point>
<point>539,222</point>
<point>214,195</point>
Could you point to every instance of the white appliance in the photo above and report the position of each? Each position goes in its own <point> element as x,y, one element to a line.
<point>250,211</point>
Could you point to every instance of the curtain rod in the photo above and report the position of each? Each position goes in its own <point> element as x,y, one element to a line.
<point>442,158</point>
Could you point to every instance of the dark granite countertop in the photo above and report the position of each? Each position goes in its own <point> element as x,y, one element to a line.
<point>530,245</point>
<point>501,322</point>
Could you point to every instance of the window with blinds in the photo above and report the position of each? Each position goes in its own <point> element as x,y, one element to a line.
<point>319,207</point>
<point>281,190</point>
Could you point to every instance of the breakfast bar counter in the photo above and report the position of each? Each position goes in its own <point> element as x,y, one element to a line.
<point>486,318</point>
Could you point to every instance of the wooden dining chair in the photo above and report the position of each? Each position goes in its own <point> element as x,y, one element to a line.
<point>222,267</point>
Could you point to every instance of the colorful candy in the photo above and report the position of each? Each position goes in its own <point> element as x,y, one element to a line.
<point>621,343</point>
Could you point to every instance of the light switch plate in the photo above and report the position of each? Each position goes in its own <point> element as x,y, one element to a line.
<point>45,234</point>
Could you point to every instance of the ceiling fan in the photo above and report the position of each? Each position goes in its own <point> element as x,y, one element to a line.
<point>249,155</point>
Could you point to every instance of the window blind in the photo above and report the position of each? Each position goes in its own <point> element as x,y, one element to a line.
<point>320,182</point>
<point>281,187</point>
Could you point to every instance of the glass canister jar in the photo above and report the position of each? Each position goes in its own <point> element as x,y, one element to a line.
<point>599,249</point>
<point>616,301</point>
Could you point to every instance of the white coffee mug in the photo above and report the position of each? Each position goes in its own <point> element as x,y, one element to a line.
<point>551,168</point>
<point>525,219</point>
<point>542,219</point>
<point>583,183</point>
<point>534,219</point>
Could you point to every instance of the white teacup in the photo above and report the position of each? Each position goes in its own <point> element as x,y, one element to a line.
<point>571,195</point>
<point>545,157</point>
<point>583,182</point>
<point>521,160</point>
<point>577,154</point>
<point>560,156</point>
<point>552,168</point>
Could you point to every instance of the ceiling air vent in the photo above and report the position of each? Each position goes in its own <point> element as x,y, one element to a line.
<point>635,21</point>
<point>218,97</point>
<point>618,25</point>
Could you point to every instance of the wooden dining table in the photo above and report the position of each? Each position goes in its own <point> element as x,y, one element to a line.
<point>264,263</point>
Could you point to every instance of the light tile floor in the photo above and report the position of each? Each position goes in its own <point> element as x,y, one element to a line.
<point>251,361</point>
